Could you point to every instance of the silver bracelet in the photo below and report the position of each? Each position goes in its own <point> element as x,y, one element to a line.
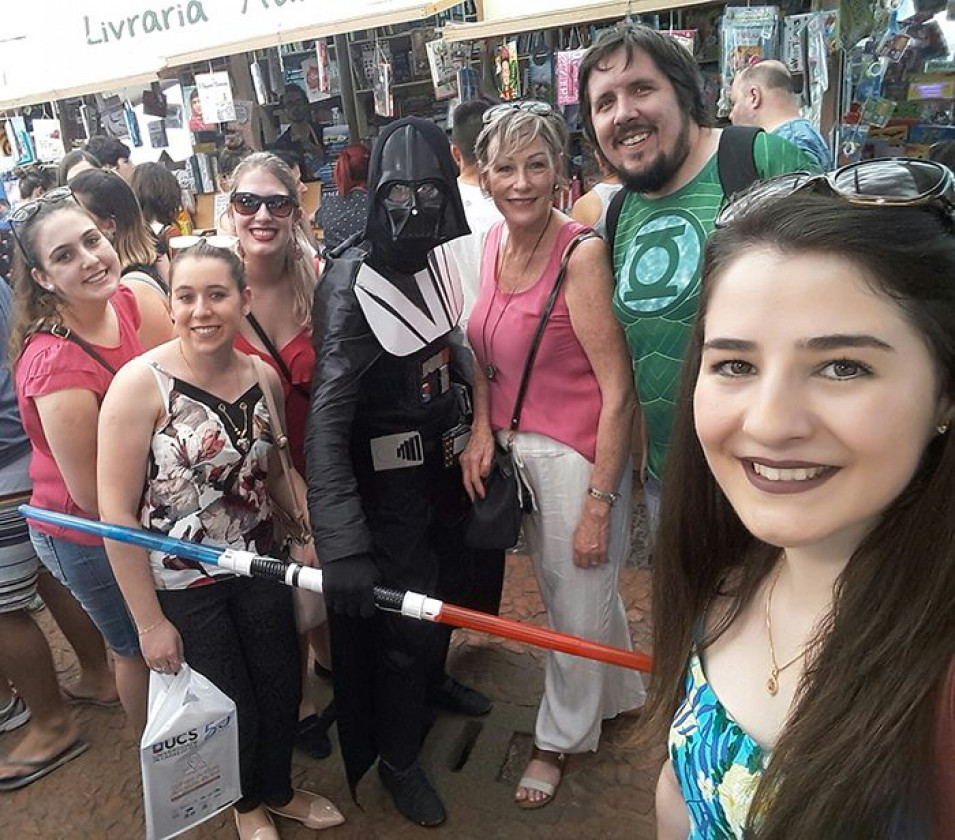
<point>600,496</point>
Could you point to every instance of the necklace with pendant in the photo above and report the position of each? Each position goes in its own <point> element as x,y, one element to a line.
<point>772,684</point>
<point>490,369</point>
<point>241,435</point>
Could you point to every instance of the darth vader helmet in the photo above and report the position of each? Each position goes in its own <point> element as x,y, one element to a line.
<point>415,203</point>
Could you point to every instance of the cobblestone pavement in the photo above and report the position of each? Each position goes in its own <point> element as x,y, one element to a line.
<point>475,764</point>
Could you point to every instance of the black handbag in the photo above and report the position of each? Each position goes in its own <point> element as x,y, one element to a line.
<point>494,523</point>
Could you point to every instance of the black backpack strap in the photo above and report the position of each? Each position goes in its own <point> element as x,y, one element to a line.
<point>734,158</point>
<point>274,353</point>
<point>613,216</point>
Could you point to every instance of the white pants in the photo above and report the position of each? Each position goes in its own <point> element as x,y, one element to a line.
<point>578,693</point>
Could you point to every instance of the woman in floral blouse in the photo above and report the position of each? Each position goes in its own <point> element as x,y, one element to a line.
<point>187,450</point>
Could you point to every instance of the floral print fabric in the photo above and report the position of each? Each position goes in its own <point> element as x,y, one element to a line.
<point>716,763</point>
<point>202,485</point>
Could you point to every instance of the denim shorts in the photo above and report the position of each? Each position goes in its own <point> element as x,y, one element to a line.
<point>85,571</point>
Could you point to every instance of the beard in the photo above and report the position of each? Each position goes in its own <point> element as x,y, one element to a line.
<point>657,173</point>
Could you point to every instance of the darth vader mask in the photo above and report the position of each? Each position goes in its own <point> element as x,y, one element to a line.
<point>415,201</point>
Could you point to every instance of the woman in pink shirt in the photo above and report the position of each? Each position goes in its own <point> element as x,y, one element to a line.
<point>572,443</point>
<point>75,326</point>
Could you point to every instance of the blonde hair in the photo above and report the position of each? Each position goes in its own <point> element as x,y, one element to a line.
<point>298,265</point>
<point>515,130</point>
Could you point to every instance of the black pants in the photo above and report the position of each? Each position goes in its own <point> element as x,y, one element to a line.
<point>383,665</point>
<point>240,634</point>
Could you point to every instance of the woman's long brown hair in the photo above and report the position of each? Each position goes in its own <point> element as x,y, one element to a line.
<point>856,758</point>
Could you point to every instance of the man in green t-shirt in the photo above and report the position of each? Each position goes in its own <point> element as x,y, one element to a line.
<point>642,108</point>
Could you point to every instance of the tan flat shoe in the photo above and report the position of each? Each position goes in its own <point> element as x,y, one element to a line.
<point>322,813</point>
<point>265,832</point>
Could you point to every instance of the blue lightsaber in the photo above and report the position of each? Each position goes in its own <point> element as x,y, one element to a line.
<point>409,604</point>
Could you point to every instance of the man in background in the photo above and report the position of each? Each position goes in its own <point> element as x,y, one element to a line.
<point>480,210</point>
<point>763,96</point>
<point>113,154</point>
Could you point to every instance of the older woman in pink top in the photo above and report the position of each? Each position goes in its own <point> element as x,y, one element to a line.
<point>572,443</point>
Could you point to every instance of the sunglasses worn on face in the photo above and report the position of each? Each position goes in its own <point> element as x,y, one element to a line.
<point>532,106</point>
<point>25,213</point>
<point>248,204</point>
<point>886,182</point>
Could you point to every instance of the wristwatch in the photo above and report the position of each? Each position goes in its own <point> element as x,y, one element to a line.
<point>609,498</point>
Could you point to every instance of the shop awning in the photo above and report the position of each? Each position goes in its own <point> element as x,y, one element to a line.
<point>540,17</point>
<point>52,49</point>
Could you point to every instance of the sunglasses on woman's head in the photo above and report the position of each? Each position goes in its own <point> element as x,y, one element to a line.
<point>25,213</point>
<point>886,182</point>
<point>248,204</point>
<point>531,106</point>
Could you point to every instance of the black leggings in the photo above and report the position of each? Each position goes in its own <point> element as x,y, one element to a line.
<point>240,634</point>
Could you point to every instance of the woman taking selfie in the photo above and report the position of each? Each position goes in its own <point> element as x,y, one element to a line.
<point>192,424</point>
<point>571,445</point>
<point>804,586</point>
<point>75,326</point>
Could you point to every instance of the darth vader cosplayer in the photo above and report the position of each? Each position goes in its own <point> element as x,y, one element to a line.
<point>389,415</point>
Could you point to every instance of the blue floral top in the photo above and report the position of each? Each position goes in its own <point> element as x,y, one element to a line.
<point>716,763</point>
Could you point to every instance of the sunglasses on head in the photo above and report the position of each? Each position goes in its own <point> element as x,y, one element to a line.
<point>885,182</point>
<point>531,106</point>
<point>248,204</point>
<point>25,213</point>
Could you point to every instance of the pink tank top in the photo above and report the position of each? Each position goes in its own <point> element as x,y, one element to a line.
<point>563,398</point>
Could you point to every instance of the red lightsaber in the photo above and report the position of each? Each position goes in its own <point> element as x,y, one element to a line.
<point>410,604</point>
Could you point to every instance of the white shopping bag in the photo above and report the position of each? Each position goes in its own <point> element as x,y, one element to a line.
<point>189,753</point>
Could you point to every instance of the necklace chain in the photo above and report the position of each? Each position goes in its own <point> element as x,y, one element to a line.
<point>241,435</point>
<point>772,684</point>
<point>490,369</point>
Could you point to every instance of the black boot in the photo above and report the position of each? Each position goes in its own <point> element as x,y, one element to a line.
<point>413,794</point>
<point>452,696</point>
<point>311,737</point>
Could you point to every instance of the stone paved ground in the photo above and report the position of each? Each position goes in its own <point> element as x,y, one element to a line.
<point>475,764</point>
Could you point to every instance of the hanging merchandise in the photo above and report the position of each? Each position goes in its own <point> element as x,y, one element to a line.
<point>506,72</point>
<point>381,87</point>
<point>804,54</point>
<point>540,72</point>
<point>749,36</point>
<point>686,38</point>
<point>568,66</point>
<point>444,72</point>
<point>132,125</point>
<point>215,96</point>
<point>21,144</point>
<point>197,122</point>
<point>469,85</point>
<point>48,140</point>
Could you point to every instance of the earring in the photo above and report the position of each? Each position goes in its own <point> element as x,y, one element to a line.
<point>942,428</point>
<point>556,187</point>
<point>48,287</point>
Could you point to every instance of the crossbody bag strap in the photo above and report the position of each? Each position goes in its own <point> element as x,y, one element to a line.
<point>274,353</point>
<point>67,334</point>
<point>542,323</point>
<point>278,437</point>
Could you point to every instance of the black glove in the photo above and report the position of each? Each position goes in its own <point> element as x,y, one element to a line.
<point>348,586</point>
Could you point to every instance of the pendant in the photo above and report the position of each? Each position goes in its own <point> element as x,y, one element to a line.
<point>242,444</point>
<point>490,372</point>
<point>772,684</point>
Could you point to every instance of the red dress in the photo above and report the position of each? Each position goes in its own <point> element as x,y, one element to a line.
<point>299,357</point>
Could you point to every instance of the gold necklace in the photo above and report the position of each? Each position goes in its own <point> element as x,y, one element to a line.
<point>772,684</point>
<point>490,369</point>
<point>241,435</point>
